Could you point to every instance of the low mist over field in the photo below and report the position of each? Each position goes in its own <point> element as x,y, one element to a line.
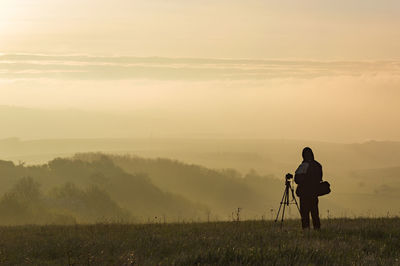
<point>170,180</point>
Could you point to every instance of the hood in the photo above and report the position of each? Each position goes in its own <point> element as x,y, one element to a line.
<point>308,154</point>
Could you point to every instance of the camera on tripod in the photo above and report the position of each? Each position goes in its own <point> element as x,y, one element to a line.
<point>289,176</point>
<point>286,200</point>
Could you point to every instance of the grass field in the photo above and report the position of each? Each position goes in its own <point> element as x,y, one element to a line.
<point>340,242</point>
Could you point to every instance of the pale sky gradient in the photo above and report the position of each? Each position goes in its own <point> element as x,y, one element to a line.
<point>312,29</point>
<point>321,70</point>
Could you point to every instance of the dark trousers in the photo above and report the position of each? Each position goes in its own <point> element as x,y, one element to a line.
<point>309,205</point>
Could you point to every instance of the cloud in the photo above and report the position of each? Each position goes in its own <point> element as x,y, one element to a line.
<point>83,67</point>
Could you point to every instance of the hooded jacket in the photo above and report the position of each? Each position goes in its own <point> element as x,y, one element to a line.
<point>308,176</point>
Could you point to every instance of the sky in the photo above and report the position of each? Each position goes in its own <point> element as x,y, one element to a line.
<point>321,70</point>
<point>341,29</point>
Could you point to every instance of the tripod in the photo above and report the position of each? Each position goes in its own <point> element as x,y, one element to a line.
<point>286,198</point>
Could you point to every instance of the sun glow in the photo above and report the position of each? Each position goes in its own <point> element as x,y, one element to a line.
<point>14,20</point>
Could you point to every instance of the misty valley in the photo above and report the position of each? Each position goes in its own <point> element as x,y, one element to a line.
<point>225,180</point>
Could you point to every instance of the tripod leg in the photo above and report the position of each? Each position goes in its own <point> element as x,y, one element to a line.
<point>280,206</point>
<point>294,198</point>
<point>286,195</point>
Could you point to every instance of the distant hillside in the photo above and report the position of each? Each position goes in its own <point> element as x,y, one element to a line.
<point>155,189</point>
<point>147,188</point>
<point>133,192</point>
<point>380,181</point>
<point>221,190</point>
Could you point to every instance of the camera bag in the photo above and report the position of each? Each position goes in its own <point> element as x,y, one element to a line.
<point>323,188</point>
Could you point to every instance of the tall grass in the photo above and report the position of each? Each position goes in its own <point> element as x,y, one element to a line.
<point>340,242</point>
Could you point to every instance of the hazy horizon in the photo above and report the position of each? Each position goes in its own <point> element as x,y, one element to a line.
<point>336,101</point>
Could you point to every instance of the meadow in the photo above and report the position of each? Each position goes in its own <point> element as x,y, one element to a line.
<point>340,242</point>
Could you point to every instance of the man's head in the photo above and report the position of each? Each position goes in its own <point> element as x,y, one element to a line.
<point>308,154</point>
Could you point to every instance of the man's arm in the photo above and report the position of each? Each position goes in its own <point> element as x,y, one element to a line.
<point>299,178</point>
<point>301,172</point>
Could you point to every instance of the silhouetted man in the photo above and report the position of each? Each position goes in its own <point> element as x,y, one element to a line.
<point>308,176</point>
